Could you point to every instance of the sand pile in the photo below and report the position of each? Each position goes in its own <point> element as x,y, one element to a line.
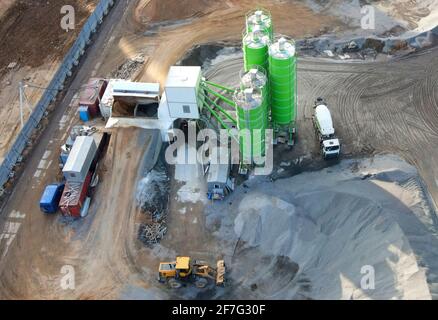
<point>310,236</point>
<point>399,16</point>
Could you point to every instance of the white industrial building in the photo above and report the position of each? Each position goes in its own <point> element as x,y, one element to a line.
<point>180,101</point>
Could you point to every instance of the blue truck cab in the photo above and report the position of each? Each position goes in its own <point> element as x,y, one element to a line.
<point>49,202</point>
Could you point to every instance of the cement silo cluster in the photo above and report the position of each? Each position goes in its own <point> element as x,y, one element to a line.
<point>266,96</point>
<point>270,71</point>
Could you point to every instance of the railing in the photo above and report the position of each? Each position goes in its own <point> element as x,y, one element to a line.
<point>56,85</point>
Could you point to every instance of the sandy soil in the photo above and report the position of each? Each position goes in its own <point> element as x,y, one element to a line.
<point>4,6</point>
<point>10,125</point>
<point>166,44</point>
<point>159,11</point>
<point>24,30</point>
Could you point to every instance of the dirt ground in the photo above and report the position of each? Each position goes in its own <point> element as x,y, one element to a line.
<point>161,11</point>
<point>29,26</point>
<point>377,107</point>
<point>31,38</point>
<point>224,23</point>
<point>4,6</point>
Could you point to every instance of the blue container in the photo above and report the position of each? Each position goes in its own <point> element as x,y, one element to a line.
<point>84,114</point>
<point>49,202</point>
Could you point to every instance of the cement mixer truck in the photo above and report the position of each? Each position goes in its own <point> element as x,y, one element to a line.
<point>322,121</point>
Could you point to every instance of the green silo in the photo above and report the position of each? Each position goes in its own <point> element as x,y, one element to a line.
<point>257,78</point>
<point>262,19</point>
<point>251,124</point>
<point>255,49</point>
<point>282,77</point>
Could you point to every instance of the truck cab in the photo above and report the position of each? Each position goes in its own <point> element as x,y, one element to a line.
<point>181,268</point>
<point>49,202</point>
<point>330,148</point>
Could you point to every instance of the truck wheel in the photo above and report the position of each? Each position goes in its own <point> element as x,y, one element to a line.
<point>201,283</point>
<point>174,284</point>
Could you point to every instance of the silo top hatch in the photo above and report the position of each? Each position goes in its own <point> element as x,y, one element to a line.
<point>282,49</point>
<point>248,99</point>
<point>254,77</point>
<point>256,39</point>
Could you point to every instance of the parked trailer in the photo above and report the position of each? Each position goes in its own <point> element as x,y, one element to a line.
<point>80,159</point>
<point>74,197</point>
<point>75,132</point>
<point>49,202</point>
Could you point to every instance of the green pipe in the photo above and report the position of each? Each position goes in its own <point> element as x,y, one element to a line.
<point>216,115</point>
<point>217,94</point>
<point>226,114</point>
<point>219,86</point>
<point>220,120</point>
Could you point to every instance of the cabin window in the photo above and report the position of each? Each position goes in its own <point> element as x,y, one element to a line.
<point>186,109</point>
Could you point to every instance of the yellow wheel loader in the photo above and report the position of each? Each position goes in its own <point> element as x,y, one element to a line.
<point>184,270</point>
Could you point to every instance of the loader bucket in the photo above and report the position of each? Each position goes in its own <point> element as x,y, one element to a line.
<point>220,272</point>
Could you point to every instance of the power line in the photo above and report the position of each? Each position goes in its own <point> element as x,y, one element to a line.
<point>31,85</point>
<point>25,101</point>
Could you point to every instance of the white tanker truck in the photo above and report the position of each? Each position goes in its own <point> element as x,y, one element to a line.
<point>322,121</point>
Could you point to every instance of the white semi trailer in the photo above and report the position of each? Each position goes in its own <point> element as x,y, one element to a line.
<point>325,132</point>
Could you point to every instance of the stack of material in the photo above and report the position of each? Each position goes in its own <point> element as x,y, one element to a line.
<point>130,68</point>
<point>153,194</point>
<point>152,198</point>
<point>151,234</point>
<point>156,208</point>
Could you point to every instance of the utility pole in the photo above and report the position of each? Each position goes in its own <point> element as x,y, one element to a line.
<point>21,90</point>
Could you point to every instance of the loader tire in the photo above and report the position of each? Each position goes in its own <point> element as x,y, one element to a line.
<point>174,284</point>
<point>201,283</point>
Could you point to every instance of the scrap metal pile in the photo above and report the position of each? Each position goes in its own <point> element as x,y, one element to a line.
<point>152,233</point>
<point>153,197</point>
<point>130,68</point>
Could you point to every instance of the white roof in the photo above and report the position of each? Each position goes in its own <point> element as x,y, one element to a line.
<point>123,88</point>
<point>218,173</point>
<point>135,89</point>
<point>183,76</point>
<point>330,143</point>
<point>324,118</point>
<point>79,153</point>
